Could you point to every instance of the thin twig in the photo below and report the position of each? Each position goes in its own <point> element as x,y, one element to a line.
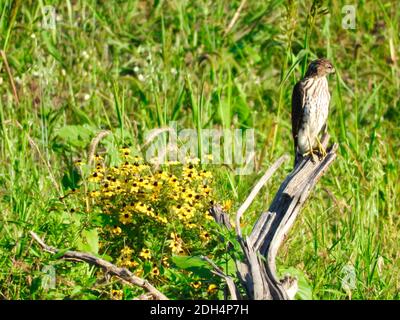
<point>235,295</point>
<point>10,76</point>
<point>256,189</point>
<point>121,273</point>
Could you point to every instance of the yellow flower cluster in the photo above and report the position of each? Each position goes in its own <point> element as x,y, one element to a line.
<point>161,212</point>
<point>132,189</point>
<point>125,258</point>
<point>176,243</point>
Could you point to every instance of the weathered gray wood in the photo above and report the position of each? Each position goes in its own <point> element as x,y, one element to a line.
<point>122,273</point>
<point>257,273</point>
<point>256,189</point>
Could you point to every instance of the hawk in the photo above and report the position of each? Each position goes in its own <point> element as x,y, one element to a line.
<point>310,107</point>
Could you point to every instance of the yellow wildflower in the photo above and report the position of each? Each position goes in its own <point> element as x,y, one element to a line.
<point>125,217</point>
<point>205,174</point>
<point>98,158</point>
<point>208,216</point>
<point>227,205</point>
<point>126,251</point>
<point>191,225</point>
<point>150,211</point>
<point>94,194</point>
<point>205,236</point>
<point>137,159</point>
<point>189,195</point>
<point>141,207</point>
<point>189,172</point>
<point>116,230</point>
<point>100,169</point>
<point>176,247</point>
<point>145,254</point>
<point>96,177</point>
<point>116,294</point>
<point>176,243</point>
<point>134,187</point>
<point>134,264</point>
<point>212,288</point>
<point>206,190</point>
<point>196,284</point>
<point>125,151</point>
<point>162,219</point>
<point>155,271</point>
<point>127,262</point>
<point>78,162</point>
<point>139,272</point>
<point>164,262</point>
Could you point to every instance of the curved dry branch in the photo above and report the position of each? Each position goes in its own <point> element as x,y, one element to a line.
<point>256,189</point>
<point>122,273</point>
<point>233,289</point>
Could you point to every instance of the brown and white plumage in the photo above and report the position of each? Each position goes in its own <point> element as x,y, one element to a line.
<point>310,107</point>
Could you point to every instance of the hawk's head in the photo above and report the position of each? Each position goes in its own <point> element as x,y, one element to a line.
<point>320,68</point>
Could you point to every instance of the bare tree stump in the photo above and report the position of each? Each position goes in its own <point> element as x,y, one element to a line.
<point>257,273</point>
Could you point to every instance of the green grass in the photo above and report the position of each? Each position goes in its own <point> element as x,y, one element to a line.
<point>130,66</point>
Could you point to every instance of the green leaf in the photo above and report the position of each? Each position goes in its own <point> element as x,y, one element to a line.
<point>51,48</point>
<point>194,264</point>
<point>35,285</point>
<point>60,253</point>
<point>89,241</point>
<point>78,136</point>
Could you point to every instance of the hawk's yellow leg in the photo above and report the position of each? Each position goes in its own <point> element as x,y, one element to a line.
<point>310,151</point>
<point>321,149</point>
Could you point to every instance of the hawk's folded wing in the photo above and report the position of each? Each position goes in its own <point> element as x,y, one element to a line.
<point>297,110</point>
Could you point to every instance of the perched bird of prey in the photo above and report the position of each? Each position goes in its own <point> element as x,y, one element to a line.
<point>310,107</point>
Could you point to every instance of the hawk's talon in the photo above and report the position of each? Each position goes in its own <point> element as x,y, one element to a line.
<point>312,155</point>
<point>321,150</point>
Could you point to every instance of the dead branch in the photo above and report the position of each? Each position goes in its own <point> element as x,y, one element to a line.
<point>264,179</point>
<point>221,217</point>
<point>233,289</point>
<point>121,273</point>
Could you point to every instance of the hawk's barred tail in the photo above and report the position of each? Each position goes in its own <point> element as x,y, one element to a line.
<point>297,156</point>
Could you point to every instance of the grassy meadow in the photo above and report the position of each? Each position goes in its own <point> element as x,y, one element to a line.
<point>131,66</point>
